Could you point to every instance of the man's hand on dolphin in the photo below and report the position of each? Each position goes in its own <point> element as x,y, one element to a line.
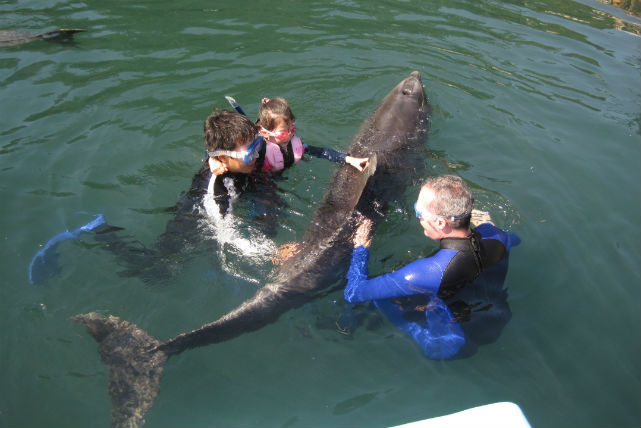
<point>285,252</point>
<point>480,217</point>
<point>362,235</point>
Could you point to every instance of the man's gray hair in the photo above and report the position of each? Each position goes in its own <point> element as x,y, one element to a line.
<point>453,200</point>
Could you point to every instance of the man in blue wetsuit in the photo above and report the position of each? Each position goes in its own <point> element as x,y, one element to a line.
<point>444,209</point>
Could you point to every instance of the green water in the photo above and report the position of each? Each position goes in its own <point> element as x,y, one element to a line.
<point>536,104</point>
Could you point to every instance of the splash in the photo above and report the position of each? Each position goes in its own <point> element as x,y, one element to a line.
<point>237,241</point>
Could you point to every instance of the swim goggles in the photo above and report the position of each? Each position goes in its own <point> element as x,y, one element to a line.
<point>420,214</point>
<point>280,134</point>
<point>247,155</point>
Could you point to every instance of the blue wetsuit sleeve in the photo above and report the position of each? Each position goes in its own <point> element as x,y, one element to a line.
<point>324,153</point>
<point>508,239</point>
<point>439,337</point>
<point>422,276</point>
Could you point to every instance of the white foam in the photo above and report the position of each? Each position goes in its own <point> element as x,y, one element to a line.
<point>237,241</point>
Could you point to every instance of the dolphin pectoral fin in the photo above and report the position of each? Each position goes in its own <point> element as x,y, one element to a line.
<point>135,366</point>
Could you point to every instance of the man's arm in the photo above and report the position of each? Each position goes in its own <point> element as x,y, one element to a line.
<point>442,338</point>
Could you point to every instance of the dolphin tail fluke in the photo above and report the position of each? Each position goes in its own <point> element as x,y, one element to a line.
<point>135,366</point>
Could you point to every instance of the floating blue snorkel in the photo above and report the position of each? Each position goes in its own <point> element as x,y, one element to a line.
<point>42,262</point>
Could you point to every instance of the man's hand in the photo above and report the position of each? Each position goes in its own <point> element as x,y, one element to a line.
<point>361,237</point>
<point>285,252</point>
<point>480,217</point>
<point>216,167</point>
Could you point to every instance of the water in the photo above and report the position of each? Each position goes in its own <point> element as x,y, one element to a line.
<point>536,104</point>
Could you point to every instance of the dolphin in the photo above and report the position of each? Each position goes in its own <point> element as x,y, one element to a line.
<point>393,138</point>
<point>12,38</point>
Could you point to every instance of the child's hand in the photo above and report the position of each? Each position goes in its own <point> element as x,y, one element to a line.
<point>358,163</point>
<point>216,167</point>
<point>361,237</point>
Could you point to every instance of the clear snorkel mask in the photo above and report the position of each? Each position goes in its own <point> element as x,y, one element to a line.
<point>247,155</point>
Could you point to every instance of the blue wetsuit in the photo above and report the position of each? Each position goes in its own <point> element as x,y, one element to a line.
<point>325,153</point>
<point>458,262</point>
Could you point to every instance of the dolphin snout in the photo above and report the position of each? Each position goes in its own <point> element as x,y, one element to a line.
<point>412,84</point>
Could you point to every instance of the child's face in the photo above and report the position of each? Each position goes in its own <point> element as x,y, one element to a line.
<point>281,134</point>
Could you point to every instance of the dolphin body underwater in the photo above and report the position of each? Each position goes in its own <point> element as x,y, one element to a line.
<point>12,38</point>
<point>393,137</point>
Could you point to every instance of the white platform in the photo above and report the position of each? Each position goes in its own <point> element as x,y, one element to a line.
<point>497,415</point>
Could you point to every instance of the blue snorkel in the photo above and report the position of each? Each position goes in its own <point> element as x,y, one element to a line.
<point>40,263</point>
<point>235,105</point>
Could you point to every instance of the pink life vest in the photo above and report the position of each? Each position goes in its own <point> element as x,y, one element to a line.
<point>274,157</point>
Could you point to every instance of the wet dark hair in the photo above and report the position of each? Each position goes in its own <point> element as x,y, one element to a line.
<point>224,129</point>
<point>273,110</point>
<point>452,200</point>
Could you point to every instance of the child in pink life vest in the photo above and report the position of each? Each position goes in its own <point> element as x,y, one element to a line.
<point>283,148</point>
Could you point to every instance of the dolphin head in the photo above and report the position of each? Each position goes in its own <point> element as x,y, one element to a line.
<point>404,108</point>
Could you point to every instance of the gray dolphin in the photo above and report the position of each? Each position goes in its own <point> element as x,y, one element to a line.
<point>393,137</point>
<point>11,38</point>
